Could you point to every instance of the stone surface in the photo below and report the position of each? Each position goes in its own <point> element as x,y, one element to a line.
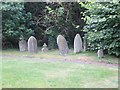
<point>32,45</point>
<point>85,43</point>
<point>77,44</point>
<point>100,53</point>
<point>62,45</point>
<point>22,45</point>
<point>44,49</point>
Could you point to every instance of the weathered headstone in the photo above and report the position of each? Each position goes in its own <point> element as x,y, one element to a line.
<point>44,49</point>
<point>100,53</point>
<point>22,45</point>
<point>32,45</point>
<point>62,45</point>
<point>77,44</point>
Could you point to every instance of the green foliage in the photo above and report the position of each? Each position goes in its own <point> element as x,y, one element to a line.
<point>44,20</point>
<point>47,20</point>
<point>56,18</point>
<point>16,23</point>
<point>103,26</point>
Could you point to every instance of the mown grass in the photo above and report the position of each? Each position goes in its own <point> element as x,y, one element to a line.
<point>31,73</point>
<point>19,72</point>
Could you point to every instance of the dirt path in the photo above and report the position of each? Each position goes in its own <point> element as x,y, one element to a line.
<point>65,59</point>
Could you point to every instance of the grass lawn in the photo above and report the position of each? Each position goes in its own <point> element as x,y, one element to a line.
<point>24,71</point>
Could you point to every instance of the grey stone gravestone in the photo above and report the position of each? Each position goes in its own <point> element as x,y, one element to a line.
<point>85,43</point>
<point>22,45</point>
<point>62,45</point>
<point>100,53</point>
<point>44,49</point>
<point>77,44</point>
<point>32,45</point>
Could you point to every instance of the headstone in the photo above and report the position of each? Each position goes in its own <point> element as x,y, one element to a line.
<point>85,43</point>
<point>32,45</point>
<point>100,53</point>
<point>77,44</point>
<point>62,45</point>
<point>44,49</point>
<point>22,45</point>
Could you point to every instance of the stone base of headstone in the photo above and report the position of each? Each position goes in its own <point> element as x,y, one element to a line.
<point>44,49</point>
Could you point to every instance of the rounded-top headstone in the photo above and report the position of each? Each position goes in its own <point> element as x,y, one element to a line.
<point>77,44</point>
<point>32,45</point>
<point>62,45</point>
<point>100,53</point>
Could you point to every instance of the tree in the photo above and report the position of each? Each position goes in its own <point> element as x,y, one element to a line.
<point>52,19</point>
<point>16,23</point>
<point>102,26</point>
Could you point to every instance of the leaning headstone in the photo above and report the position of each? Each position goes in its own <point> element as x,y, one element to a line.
<point>77,44</point>
<point>32,45</point>
<point>22,45</point>
<point>62,45</point>
<point>44,49</point>
<point>100,53</point>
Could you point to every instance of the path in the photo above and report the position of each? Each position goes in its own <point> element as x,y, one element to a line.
<point>65,59</point>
